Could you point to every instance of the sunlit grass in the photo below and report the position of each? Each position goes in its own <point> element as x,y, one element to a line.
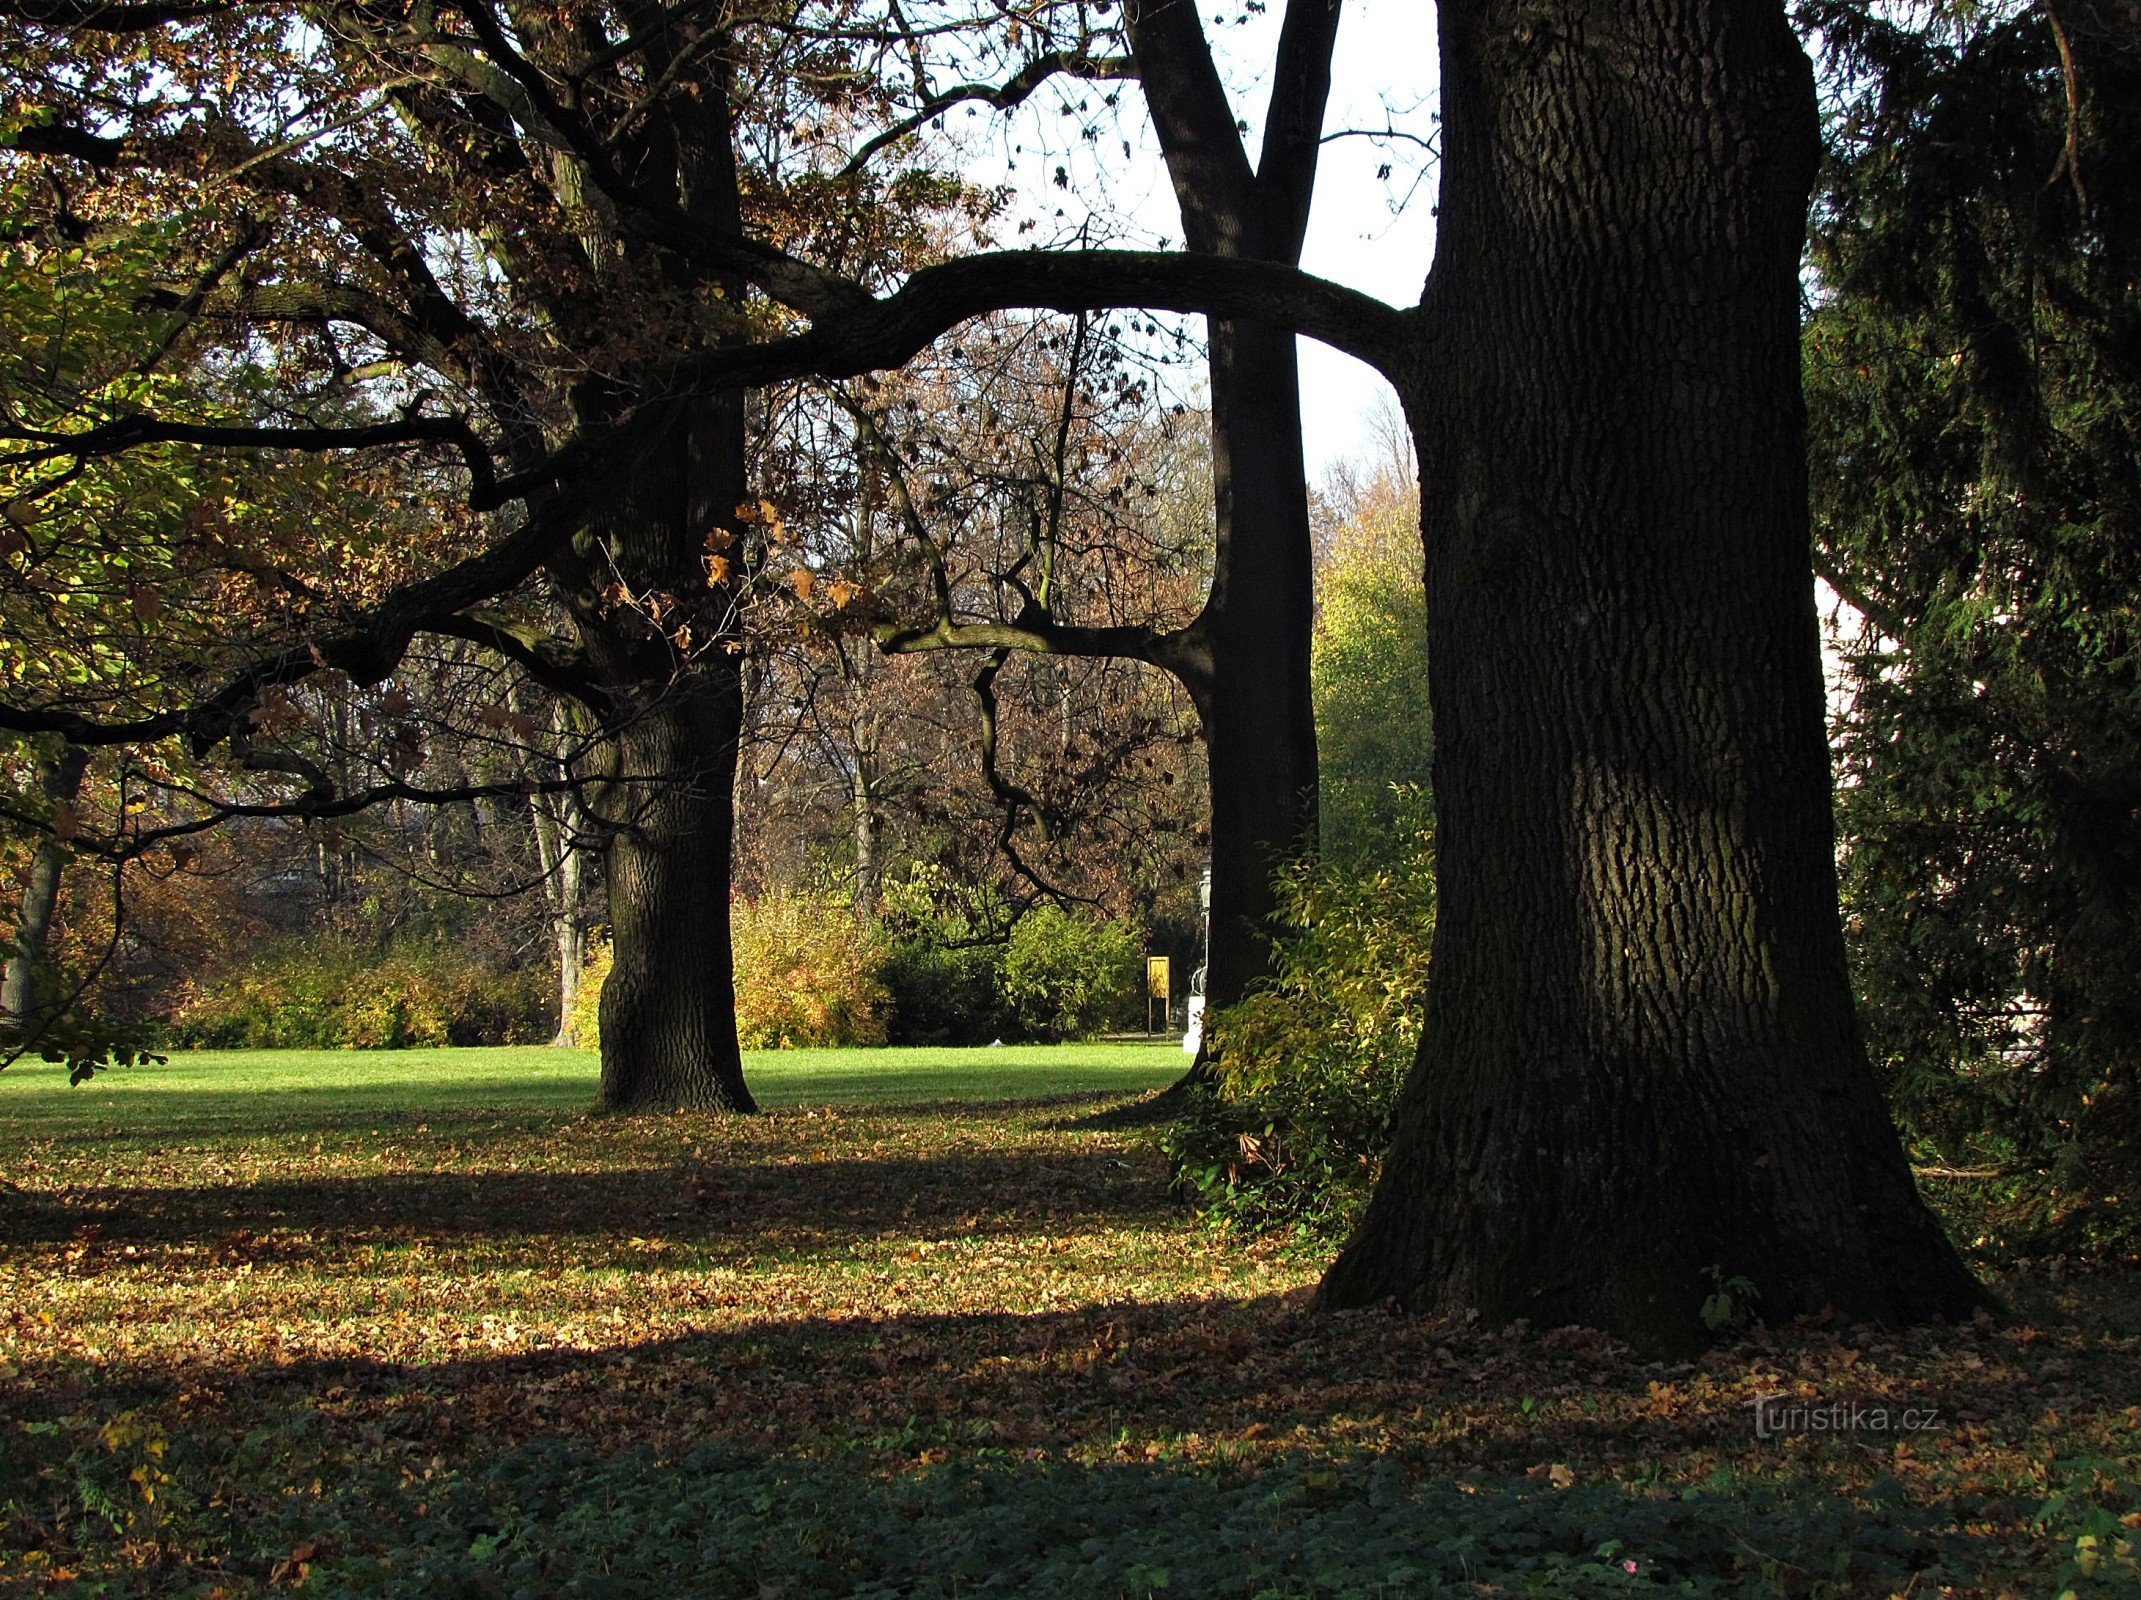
<point>268,1088</point>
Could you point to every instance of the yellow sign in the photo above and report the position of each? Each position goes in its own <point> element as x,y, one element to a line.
<point>1158,978</point>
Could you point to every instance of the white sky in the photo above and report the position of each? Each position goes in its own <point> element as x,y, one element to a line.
<point>1370,232</point>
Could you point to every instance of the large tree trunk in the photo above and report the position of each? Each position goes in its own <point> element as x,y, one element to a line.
<point>669,644</point>
<point>1640,1064</point>
<point>62,777</point>
<point>668,1008</point>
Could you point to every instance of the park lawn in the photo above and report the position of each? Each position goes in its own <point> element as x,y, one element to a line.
<point>206,1089</point>
<point>417,1325</point>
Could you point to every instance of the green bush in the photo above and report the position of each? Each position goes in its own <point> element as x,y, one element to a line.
<point>946,994</point>
<point>945,964</point>
<point>1068,975</point>
<point>332,992</point>
<point>1308,1067</point>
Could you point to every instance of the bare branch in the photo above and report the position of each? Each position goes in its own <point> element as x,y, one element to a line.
<point>1012,92</point>
<point>122,434</point>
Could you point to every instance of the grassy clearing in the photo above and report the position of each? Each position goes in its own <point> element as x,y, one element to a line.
<point>416,1325</point>
<point>280,1088</point>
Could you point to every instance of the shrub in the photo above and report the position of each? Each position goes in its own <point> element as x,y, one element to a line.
<point>945,964</point>
<point>1068,975</point>
<point>1308,1067</point>
<point>336,992</point>
<point>946,994</point>
<point>584,1026</point>
<point>806,974</point>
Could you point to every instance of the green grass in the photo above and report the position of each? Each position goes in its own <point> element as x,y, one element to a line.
<point>205,1089</point>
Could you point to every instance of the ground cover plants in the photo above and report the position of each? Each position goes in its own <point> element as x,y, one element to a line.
<point>934,1325</point>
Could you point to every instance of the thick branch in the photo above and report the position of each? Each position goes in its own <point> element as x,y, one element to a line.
<point>1213,183</point>
<point>1033,635</point>
<point>543,664</point>
<point>488,491</point>
<point>1293,123</point>
<point>887,333</point>
<point>365,652</point>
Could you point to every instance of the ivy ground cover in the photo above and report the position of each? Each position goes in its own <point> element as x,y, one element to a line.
<point>935,1325</point>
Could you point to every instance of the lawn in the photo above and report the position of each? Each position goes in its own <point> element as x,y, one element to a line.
<point>416,1325</point>
<point>205,1089</point>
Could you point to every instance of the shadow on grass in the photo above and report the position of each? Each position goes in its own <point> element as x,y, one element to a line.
<point>757,1203</point>
<point>905,1384</point>
<point>552,1520</point>
<point>192,1114</point>
<point>550,1517</point>
<point>1152,1110</point>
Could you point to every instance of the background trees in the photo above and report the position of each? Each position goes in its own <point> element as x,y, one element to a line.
<point>1974,379</point>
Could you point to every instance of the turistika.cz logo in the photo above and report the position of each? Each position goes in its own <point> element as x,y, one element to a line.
<point>1779,1415</point>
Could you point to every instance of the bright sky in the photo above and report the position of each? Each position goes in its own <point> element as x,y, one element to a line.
<point>1369,229</point>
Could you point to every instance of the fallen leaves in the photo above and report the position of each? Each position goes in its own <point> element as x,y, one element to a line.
<point>893,1285</point>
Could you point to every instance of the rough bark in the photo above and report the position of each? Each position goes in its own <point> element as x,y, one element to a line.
<point>668,1011</point>
<point>62,781</point>
<point>670,652</point>
<point>1640,1062</point>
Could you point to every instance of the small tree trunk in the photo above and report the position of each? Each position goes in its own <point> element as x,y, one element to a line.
<point>1258,712</point>
<point>62,779</point>
<point>569,930</point>
<point>867,810</point>
<point>1251,646</point>
<point>1640,1069</point>
<point>563,858</point>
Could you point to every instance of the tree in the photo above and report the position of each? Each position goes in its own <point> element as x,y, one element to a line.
<point>477,240</point>
<point>1639,1060</point>
<point>1244,658</point>
<point>1975,386</point>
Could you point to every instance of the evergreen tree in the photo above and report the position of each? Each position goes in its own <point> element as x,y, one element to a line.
<point>1974,382</point>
